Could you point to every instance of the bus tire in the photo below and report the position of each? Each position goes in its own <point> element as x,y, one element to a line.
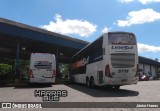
<point>92,84</point>
<point>87,82</point>
<point>72,80</point>
<point>116,87</point>
<point>29,84</point>
<point>109,87</point>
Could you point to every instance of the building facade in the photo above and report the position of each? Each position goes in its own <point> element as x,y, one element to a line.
<point>148,67</point>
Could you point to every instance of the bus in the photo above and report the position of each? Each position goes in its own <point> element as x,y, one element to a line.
<point>111,60</point>
<point>42,68</point>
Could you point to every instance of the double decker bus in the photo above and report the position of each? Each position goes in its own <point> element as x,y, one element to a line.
<point>111,60</point>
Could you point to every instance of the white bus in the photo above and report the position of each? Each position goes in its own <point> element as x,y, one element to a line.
<point>111,60</point>
<point>42,68</point>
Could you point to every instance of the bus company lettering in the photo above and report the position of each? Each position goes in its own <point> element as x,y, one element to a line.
<point>122,47</point>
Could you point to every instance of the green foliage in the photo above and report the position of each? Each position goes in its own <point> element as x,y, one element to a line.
<point>64,69</point>
<point>5,72</point>
<point>156,59</point>
<point>159,70</point>
<point>5,69</point>
<point>24,68</point>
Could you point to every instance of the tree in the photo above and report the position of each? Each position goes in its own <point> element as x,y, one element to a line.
<point>24,68</point>
<point>63,69</point>
<point>5,71</point>
<point>156,59</point>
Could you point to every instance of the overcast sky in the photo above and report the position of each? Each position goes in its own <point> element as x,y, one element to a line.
<point>88,19</point>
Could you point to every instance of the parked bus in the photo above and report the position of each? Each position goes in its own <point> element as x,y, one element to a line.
<point>42,68</point>
<point>111,60</point>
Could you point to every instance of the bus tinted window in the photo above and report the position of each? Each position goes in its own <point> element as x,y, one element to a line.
<point>42,65</point>
<point>121,39</point>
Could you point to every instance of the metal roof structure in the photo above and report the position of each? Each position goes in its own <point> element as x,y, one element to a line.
<point>18,41</point>
<point>145,60</point>
<point>32,39</point>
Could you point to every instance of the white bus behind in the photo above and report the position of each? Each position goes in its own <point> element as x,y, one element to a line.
<point>42,68</point>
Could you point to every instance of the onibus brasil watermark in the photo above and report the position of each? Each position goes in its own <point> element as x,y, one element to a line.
<point>46,95</point>
<point>20,105</point>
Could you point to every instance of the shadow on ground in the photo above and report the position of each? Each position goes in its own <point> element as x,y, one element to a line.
<point>96,92</point>
<point>25,85</point>
<point>102,91</point>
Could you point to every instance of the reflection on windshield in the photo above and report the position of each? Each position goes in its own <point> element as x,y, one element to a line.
<point>42,65</point>
<point>121,39</point>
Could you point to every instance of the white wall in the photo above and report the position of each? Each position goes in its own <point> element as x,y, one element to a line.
<point>147,69</point>
<point>140,66</point>
<point>153,71</point>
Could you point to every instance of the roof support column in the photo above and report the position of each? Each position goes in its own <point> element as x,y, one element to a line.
<point>143,69</point>
<point>17,61</point>
<point>57,65</point>
<point>150,73</point>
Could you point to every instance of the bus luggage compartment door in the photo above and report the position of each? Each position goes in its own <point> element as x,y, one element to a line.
<point>100,77</point>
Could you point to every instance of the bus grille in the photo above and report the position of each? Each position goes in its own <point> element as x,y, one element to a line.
<point>123,60</point>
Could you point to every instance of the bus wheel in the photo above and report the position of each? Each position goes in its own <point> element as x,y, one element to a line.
<point>117,87</point>
<point>72,79</point>
<point>87,82</point>
<point>108,87</point>
<point>29,84</point>
<point>92,84</point>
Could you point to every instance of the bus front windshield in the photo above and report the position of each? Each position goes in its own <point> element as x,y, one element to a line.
<point>121,39</point>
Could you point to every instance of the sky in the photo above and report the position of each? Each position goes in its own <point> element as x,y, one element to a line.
<point>89,19</point>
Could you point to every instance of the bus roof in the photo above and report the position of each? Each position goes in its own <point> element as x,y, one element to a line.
<point>95,43</point>
<point>90,46</point>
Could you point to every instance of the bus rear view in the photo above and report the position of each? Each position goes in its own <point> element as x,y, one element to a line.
<point>122,58</point>
<point>42,68</point>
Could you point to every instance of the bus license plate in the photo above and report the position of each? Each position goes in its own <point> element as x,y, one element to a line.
<point>123,80</point>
